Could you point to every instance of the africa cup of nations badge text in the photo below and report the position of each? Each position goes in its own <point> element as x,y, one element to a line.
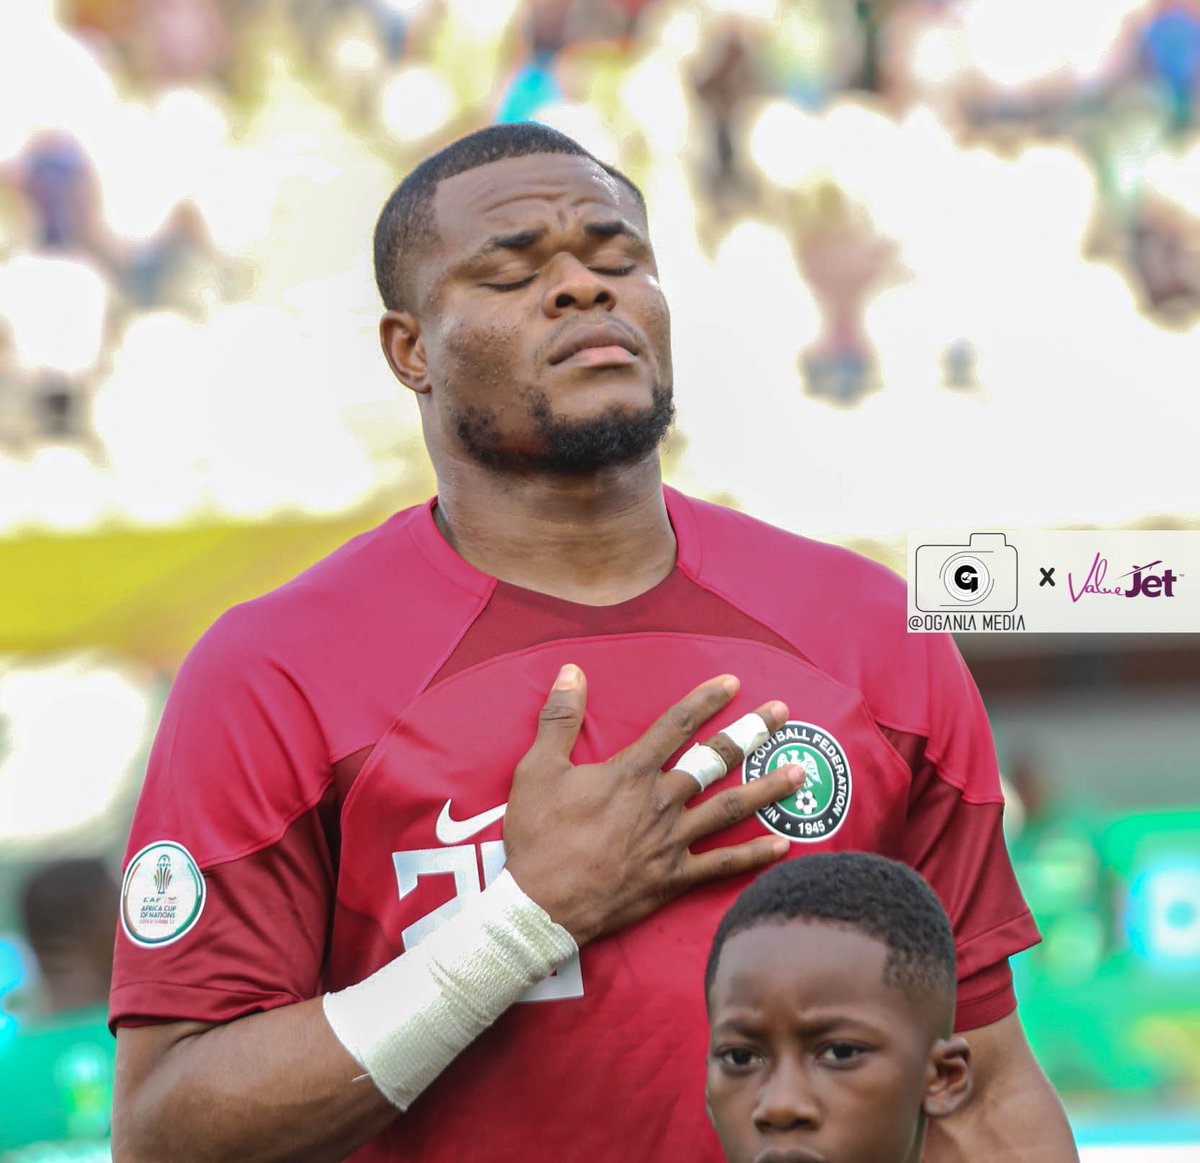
<point>162,895</point>
<point>819,806</point>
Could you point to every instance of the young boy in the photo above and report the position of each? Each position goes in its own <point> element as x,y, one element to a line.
<point>830,990</point>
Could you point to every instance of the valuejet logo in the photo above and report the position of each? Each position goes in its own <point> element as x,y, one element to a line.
<point>1144,583</point>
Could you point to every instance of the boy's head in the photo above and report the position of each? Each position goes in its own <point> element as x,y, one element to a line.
<point>830,990</point>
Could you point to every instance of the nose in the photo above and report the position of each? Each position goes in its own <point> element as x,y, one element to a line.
<point>787,1099</point>
<point>574,287</point>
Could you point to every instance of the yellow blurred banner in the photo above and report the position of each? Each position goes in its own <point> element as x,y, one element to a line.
<point>148,595</point>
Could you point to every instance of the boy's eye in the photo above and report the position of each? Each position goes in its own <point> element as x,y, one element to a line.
<point>839,1052</point>
<point>737,1057</point>
<point>621,270</point>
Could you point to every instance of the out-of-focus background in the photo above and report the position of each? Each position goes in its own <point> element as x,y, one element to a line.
<point>932,263</point>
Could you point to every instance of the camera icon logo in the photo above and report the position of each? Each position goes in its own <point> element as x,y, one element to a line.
<point>980,576</point>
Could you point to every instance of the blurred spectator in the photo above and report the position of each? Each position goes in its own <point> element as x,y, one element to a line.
<point>57,1062</point>
<point>104,25</point>
<point>392,26</point>
<point>727,75</point>
<point>811,52</point>
<point>56,308</point>
<point>546,25</point>
<point>179,267</point>
<point>182,42</point>
<point>1170,54</point>
<point>58,180</point>
<point>919,52</point>
<point>531,90</point>
<point>844,261</point>
<point>631,13</point>
<point>1164,253</point>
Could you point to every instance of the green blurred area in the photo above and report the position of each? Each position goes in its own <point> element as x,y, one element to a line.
<point>1111,998</point>
<point>56,1076</point>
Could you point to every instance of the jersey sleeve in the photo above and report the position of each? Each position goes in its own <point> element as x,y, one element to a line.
<point>236,793</point>
<point>954,837</point>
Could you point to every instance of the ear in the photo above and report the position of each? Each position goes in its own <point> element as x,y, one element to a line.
<point>404,349</point>
<point>948,1083</point>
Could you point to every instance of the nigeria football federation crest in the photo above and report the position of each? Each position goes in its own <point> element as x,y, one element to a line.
<point>817,809</point>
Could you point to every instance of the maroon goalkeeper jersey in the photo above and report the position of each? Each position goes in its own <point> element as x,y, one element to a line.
<point>328,781</point>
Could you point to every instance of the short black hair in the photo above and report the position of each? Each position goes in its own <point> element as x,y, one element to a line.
<point>406,227</point>
<point>881,898</point>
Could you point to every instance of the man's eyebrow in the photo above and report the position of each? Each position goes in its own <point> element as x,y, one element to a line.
<point>524,239</point>
<point>521,240</point>
<point>612,229</point>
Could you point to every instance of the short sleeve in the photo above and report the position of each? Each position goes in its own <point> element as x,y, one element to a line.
<point>954,837</point>
<point>238,792</point>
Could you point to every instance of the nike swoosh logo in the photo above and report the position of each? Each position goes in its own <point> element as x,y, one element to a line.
<point>452,831</point>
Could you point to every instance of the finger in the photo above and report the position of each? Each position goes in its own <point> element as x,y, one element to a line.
<point>738,803</point>
<point>731,745</point>
<point>560,718</point>
<point>738,858</point>
<point>673,729</point>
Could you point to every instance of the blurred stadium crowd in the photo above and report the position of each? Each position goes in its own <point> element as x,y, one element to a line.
<point>932,263</point>
<point>962,214</point>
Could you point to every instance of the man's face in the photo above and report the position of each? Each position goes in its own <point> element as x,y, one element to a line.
<point>544,332</point>
<point>812,1058</point>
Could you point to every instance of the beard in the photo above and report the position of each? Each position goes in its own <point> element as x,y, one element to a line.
<point>568,448</point>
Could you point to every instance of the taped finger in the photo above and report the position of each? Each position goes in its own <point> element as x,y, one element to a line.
<point>703,764</point>
<point>711,760</point>
<point>748,733</point>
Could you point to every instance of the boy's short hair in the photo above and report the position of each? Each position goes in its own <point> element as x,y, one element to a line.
<point>882,898</point>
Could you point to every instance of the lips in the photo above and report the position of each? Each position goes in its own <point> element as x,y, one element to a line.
<point>789,1155</point>
<point>582,337</point>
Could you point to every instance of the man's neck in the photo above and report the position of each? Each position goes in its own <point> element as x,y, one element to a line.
<point>597,540</point>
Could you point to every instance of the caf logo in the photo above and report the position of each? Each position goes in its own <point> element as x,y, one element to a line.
<point>816,810</point>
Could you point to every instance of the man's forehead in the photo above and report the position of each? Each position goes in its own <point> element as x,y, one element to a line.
<point>538,189</point>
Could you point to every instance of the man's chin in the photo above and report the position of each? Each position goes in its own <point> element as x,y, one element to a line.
<point>579,445</point>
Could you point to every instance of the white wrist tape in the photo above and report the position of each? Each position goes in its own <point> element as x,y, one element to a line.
<point>748,733</point>
<point>703,764</point>
<point>407,1022</point>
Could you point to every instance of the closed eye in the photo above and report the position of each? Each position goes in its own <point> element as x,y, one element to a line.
<point>510,286</point>
<point>615,272</point>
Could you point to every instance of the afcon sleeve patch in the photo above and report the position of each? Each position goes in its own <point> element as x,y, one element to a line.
<point>162,896</point>
<point>819,806</point>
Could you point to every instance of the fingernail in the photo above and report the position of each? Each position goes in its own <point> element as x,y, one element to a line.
<point>730,683</point>
<point>568,678</point>
<point>780,847</point>
<point>795,775</point>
